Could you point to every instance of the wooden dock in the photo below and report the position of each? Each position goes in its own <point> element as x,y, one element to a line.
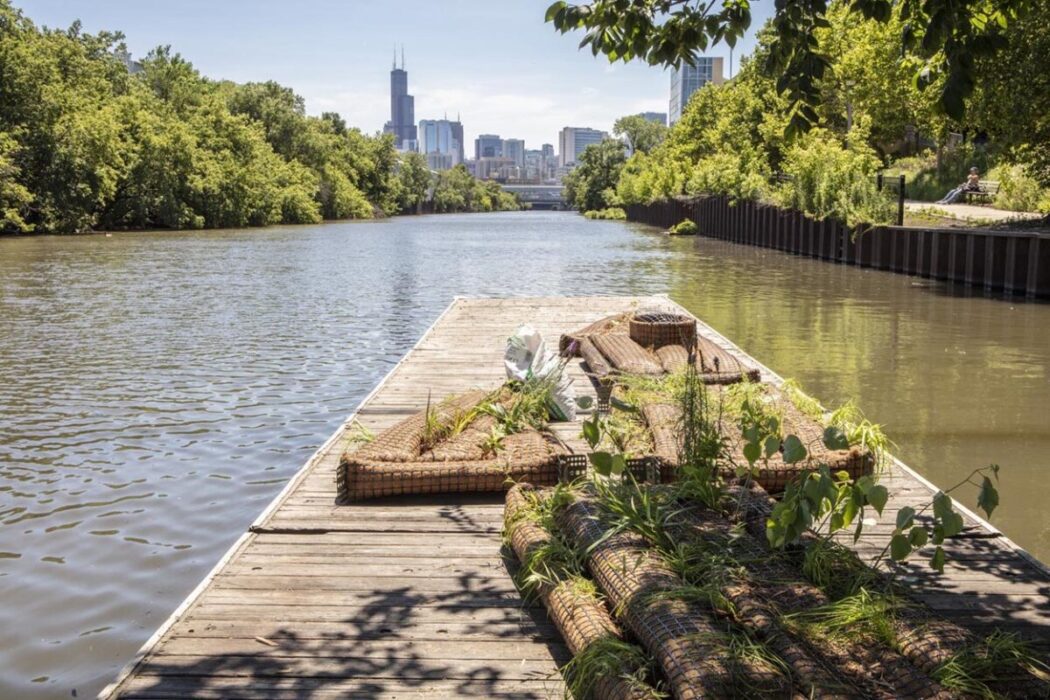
<point>411,597</point>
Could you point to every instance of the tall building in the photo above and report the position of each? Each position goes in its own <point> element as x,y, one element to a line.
<point>437,137</point>
<point>457,134</point>
<point>402,122</point>
<point>488,146</point>
<point>515,150</point>
<point>547,150</point>
<point>688,79</point>
<point>573,140</point>
<point>657,117</point>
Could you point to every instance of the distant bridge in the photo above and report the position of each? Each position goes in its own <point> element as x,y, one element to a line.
<point>539,196</point>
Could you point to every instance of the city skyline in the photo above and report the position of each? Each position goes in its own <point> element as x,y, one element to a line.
<point>528,84</point>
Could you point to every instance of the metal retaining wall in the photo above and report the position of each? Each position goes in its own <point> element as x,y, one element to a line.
<point>1016,262</point>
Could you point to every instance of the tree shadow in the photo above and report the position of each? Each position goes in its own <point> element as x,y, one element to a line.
<point>473,636</point>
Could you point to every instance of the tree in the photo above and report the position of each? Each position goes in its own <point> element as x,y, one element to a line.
<point>415,180</point>
<point>946,35</point>
<point>592,184</point>
<point>641,134</point>
<point>1013,103</point>
<point>14,197</point>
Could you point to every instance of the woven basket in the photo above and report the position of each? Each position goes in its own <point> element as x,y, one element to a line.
<point>655,329</point>
<point>398,463</point>
<point>612,345</point>
<point>774,474</point>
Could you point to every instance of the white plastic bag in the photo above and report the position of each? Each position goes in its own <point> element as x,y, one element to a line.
<point>526,359</point>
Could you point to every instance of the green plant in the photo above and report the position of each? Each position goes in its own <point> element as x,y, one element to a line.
<point>358,434</point>
<point>612,213</point>
<point>835,568</point>
<point>858,431</point>
<point>685,227</point>
<point>549,564</point>
<point>1018,191</point>
<point>972,669</point>
<point>646,511</point>
<point>863,613</point>
<point>605,657</point>
<point>702,445</point>
<point>492,443</point>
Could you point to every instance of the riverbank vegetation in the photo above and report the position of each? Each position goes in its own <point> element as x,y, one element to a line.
<point>820,150</point>
<point>610,213</point>
<point>89,140</point>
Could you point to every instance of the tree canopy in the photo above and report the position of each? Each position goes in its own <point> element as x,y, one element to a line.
<point>592,184</point>
<point>84,144</point>
<point>942,39</point>
<point>641,134</point>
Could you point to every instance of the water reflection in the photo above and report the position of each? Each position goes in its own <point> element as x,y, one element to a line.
<point>156,390</point>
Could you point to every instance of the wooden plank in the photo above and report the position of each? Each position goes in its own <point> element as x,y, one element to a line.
<point>413,596</point>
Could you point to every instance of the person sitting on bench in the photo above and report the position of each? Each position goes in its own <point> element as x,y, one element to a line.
<point>972,184</point>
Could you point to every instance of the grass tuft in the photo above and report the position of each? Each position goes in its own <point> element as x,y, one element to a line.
<point>606,657</point>
<point>974,669</point>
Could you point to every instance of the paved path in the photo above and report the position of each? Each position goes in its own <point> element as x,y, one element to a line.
<point>969,212</point>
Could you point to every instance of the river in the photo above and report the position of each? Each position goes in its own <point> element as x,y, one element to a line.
<point>158,389</point>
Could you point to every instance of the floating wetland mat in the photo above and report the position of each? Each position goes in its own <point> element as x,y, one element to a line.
<point>415,596</point>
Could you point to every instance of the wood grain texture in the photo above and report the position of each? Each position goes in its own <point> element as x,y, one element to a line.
<point>412,596</point>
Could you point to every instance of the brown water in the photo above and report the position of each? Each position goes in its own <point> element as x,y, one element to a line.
<point>157,390</point>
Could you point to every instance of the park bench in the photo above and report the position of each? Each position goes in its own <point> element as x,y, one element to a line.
<point>985,195</point>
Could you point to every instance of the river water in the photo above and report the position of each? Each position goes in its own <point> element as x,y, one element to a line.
<point>158,389</point>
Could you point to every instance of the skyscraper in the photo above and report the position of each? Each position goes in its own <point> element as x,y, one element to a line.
<point>488,146</point>
<point>402,122</point>
<point>688,79</point>
<point>437,137</point>
<point>573,140</point>
<point>515,150</point>
<point>457,134</point>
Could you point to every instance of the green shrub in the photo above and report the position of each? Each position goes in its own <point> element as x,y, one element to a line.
<point>829,180</point>
<point>613,213</point>
<point>685,227</point>
<point>1018,191</point>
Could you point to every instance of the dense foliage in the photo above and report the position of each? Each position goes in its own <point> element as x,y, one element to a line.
<point>592,184</point>
<point>640,134</point>
<point>457,190</point>
<point>732,139</point>
<point>85,144</point>
<point>943,37</point>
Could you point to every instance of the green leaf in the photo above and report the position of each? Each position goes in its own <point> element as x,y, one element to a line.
<point>835,439</point>
<point>618,465</point>
<point>772,446</point>
<point>942,504</point>
<point>838,521</point>
<point>905,518</point>
<point>953,524</point>
<point>937,561</point>
<point>918,537</point>
<point>752,452</point>
<point>602,462</point>
<point>877,497</point>
<point>794,450</point>
<point>900,548</point>
<point>988,498</point>
<point>592,432</point>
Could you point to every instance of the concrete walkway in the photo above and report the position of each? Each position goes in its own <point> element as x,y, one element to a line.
<point>969,212</point>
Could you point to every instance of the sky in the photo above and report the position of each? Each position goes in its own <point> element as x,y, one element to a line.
<point>495,63</point>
